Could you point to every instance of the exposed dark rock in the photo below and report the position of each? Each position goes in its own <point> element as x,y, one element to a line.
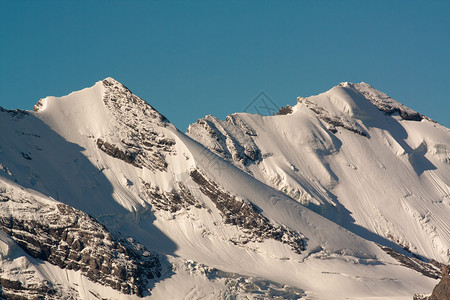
<point>26,155</point>
<point>389,106</point>
<point>442,289</point>
<point>427,269</point>
<point>333,120</point>
<point>437,264</point>
<point>247,216</point>
<point>172,201</point>
<point>16,113</point>
<point>69,238</point>
<point>38,105</point>
<point>285,110</point>
<point>15,290</point>
<point>142,143</point>
<point>390,109</point>
<point>29,134</point>
<point>232,140</point>
<point>3,197</point>
<point>9,284</point>
<point>114,151</point>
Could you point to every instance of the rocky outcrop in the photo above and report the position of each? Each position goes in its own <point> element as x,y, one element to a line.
<point>243,214</point>
<point>16,113</point>
<point>115,152</point>
<point>172,201</point>
<point>386,104</point>
<point>15,290</point>
<point>332,120</point>
<point>232,139</point>
<point>429,269</point>
<point>71,239</point>
<point>138,135</point>
<point>285,110</point>
<point>442,289</point>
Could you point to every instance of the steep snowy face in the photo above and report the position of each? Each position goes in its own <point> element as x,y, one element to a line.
<point>105,151</point>
<point>354,155</point>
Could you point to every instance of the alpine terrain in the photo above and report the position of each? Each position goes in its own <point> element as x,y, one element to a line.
<point>344,195</point>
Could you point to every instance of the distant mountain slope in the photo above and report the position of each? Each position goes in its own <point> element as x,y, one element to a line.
<point>289,205</point>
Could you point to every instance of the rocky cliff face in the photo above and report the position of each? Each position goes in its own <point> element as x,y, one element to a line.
<point>137,139</point>
<point>247,217</point>
<point>16,290</point>
<point>429,269</point>
<point>172,201</point>
<point>232,139</point>
<point>71,239</point>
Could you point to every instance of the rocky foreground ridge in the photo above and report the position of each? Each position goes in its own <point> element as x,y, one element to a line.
<point>71,239</point>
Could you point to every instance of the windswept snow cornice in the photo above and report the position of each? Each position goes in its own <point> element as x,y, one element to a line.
<point>49,101</point>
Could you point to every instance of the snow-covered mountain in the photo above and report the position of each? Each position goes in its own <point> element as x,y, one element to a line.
<point>344,195</point>
<point>354,155</point>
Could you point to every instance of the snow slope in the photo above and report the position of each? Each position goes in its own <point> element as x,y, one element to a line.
<point>381,176</point>
<point>290,207</point>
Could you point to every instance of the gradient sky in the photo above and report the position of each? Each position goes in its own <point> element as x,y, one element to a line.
<point>193,58</point>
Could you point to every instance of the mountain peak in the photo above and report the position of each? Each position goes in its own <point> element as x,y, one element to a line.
<point>107,92</point>
<point>109,78</point>
<point>121,124</point>
<point>353,85</point>
<point>109,81</point>
<point>350,99</point>
<point>117,97</point>
<point>346,84</point>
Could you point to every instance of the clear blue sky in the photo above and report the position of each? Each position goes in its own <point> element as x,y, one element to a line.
<point>192,58</point>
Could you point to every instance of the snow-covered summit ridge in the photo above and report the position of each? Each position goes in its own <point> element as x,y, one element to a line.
<point>350,99</point>
<point>102,90</point>
<point>120,123</point>
<point>104,152</point>
<point>352,154</point>
<point>387,104</point>
<point>49,101</point>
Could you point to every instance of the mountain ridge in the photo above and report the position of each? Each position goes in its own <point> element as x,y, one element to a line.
<point>276,192</point>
